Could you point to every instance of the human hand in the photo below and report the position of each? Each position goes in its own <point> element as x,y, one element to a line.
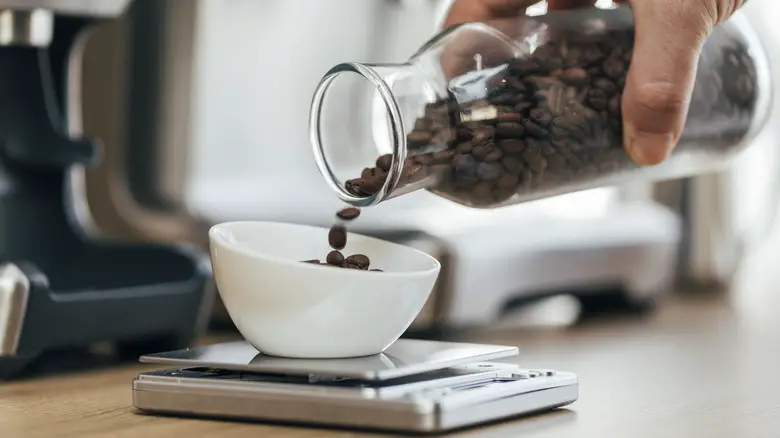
<point>668,41</point>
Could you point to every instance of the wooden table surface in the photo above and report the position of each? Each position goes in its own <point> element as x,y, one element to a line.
<point>700,366</point>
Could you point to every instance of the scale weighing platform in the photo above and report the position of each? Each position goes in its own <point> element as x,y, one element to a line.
<point>414,386</point>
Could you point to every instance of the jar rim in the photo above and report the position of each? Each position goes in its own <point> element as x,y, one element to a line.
<point>396,130</point>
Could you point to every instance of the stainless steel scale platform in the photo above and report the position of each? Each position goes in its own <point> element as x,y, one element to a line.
<point>414,386</point>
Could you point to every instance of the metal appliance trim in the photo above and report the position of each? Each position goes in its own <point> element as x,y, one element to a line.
<point>92,8</point>
<point>34,27</point>
<point>14,294</point>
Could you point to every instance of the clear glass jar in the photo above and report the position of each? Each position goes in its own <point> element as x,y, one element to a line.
<point>491,114</point>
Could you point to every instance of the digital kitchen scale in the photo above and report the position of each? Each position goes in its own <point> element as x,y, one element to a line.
<point>414,386</point>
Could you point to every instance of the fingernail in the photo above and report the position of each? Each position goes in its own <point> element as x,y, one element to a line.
<point>645,148</point>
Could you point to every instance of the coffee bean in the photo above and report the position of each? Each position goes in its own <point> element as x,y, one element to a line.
<point>614,67</point>
<point>335,258</point>
<point>480,151</point>
<point>511,146</point>
<point>575,76</point>
<point>348,213</point>
<point>512,164</point>
<point>614,106</point>
<point>510,130</point>
<point>605,85</point>
<point>482,136</point>
<point>443,157</point>
<point>541,117</point>
<point>337,237</point>
<point>597,98</point>
<point>424,159</point>
<point>488,171</point>
<point>359,260</point>
<point>522,108</point>
<point>422,124</point>
<point>509,118</point>
<point>493,155</point>
<point>313,261</point>
<point>508,181</point>
<point>464,148</point>
<point>385,162</point>
<point>419,138</point>
<point>534,130</point>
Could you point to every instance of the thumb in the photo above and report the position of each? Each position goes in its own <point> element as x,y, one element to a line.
<point>668,40</point>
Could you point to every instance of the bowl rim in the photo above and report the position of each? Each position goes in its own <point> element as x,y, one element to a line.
<point>216,239</point>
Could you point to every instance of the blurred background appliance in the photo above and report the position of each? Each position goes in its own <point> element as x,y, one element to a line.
<point>211,125</point>
<point>62,285</point>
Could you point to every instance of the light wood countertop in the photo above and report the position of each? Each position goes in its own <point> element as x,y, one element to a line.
<point>700,366</point>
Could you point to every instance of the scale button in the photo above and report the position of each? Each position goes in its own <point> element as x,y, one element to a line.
<point>521,376</point>
<point>539,373</point>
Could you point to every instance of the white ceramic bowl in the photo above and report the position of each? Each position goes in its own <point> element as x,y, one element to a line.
<point>291,309</point>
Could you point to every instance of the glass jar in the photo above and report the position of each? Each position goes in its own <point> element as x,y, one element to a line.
<point>491,114</point>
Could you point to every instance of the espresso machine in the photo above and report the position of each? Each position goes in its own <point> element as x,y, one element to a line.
<point>62,286</point>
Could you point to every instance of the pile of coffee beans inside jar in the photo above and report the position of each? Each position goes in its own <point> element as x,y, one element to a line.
<point>553,119</point>
<point>337,239</point>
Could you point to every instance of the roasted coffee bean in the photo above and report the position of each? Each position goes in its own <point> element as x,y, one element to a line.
<point>597,98</point>
<point>482,136</point>
<point>614,106</point>
<point>443,156</point>
<point>614,67</point>
<point>511,146</point>
<point>512,164</point>
<point>422,159</point>
<point>419,138</point>
<point>509,118</point>
<point>348,213</point>
<point>482,190</point>
<point>335,258</point>
<point>534,130</point>
<point>510,130</point>
<point>313,261</point>
<point>541,117</point>
<point>508,181</point>
<point>464,148</point>
<point>337,237</point>
<point>493,155</point>
<point>575,76</point>
<point>360,260</point>
<point>488,171</point>
<point>605,85</point>
<point>385,162</point>
<point>480,151</point>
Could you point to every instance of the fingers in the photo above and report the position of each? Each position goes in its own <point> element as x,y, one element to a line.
<point>569,4</point>
<point>463,11</point>
<point>669,37</point>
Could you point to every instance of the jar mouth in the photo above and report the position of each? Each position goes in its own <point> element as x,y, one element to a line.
<point>397,137</point>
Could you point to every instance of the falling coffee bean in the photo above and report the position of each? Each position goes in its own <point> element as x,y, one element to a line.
<point>337,237</point>
<point>348,213</point>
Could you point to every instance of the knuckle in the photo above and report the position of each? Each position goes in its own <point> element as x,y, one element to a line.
<point>660,98</point>
<point>692,16</point>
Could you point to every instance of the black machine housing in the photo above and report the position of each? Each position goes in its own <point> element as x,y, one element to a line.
<point>60,286</point>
